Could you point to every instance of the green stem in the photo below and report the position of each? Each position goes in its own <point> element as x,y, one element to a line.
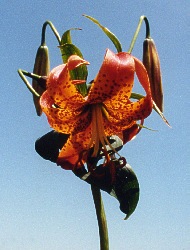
<point>101,217</point>
<point>54,31</point>
<point>22,74</point>
<point>142,18</point>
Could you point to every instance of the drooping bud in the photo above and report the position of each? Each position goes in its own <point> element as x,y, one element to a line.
<point>41,68</point>
<point>152,64</point>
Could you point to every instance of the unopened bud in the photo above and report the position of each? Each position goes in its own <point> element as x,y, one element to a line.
<point>152,64</point>
<point>41,68</point>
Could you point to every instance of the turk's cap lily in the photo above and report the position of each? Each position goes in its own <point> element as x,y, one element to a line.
<point>105,111</point>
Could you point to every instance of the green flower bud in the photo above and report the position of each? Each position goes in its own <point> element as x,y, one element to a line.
<point>152,64</point>
<point>41,68</point>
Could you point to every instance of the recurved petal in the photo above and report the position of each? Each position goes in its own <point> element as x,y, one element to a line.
<point>115,78</point>
<point>61,87</point>
<point>135,110</point>
<point>142,75</point>
<point>75,61</point>
<point>124,116</point>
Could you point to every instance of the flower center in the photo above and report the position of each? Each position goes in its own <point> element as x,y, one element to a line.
<point>98,134</point>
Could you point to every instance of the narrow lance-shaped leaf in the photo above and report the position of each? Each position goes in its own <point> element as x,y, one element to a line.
<point>111,36</point>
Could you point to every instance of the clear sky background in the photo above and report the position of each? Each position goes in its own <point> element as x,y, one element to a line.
<point>43,207</point>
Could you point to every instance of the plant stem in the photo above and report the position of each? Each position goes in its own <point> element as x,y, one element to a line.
<point>54,31</point>
<point>142,18</point>
<point>101,217</point>
<point>22,74</point>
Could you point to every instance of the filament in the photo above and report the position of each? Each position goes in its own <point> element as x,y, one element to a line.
<point>98,132</point>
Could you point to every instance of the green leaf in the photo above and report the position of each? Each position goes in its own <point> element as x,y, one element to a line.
<point>126,189</point>
<point>66,37</point>
<point>68,49</point>
<point>131,189</point>
<point>111,36</point>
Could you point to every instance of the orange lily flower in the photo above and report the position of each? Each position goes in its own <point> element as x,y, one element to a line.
<point>105,111</point>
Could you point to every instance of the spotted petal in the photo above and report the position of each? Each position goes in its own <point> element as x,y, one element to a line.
<point>125,113</point>
<point>71,152</point>
<point>60,86</point>
<point>61,102</point>
<point>106,111</point>
<point>114,80</point>
<point>64,120</point>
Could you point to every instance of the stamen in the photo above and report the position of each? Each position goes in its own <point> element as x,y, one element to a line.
<point>98,133</point>
<point>94,129</point>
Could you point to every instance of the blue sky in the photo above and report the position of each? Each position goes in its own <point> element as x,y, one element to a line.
<point>44,207</point>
